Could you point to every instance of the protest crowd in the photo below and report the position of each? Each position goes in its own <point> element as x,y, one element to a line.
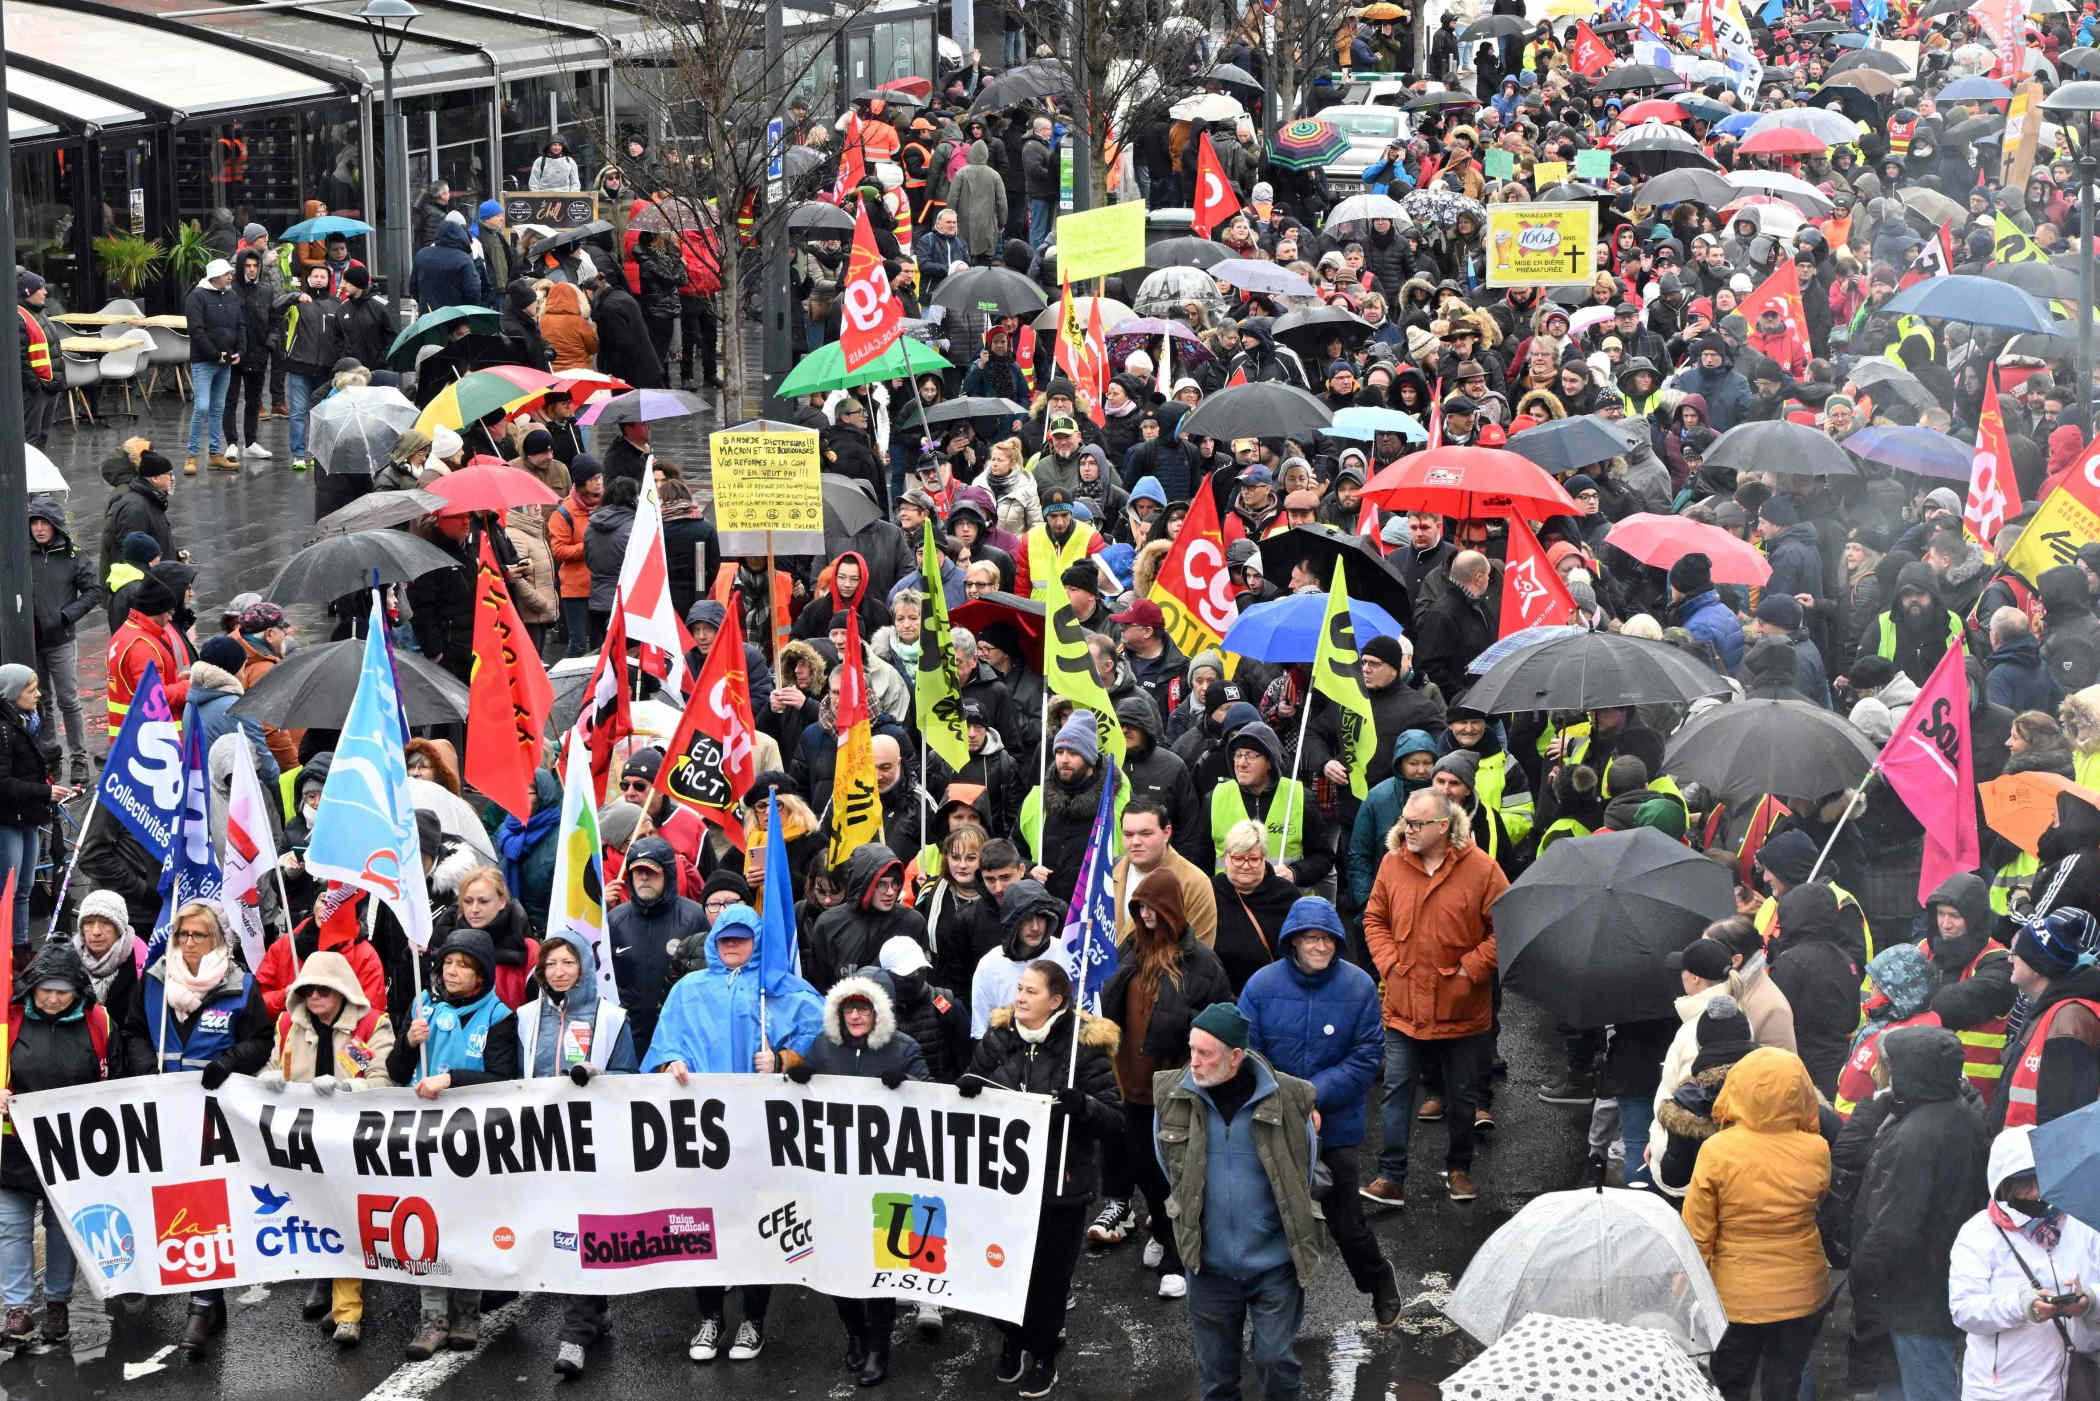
<point>1634,546</point>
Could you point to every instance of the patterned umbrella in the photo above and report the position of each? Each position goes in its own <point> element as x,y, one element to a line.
<point>1441,207</point>
<point>1308,142</point>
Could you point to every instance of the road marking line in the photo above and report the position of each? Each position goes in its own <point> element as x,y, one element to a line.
<point>413,1381</point>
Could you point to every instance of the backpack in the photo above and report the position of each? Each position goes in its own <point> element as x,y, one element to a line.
<point>97,1025</point>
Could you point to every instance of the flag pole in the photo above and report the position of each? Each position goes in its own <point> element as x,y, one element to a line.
<point>58,905</point>
<point>1856,804</point>
<point>1290,804</point>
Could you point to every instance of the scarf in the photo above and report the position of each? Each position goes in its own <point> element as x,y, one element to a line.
<point>1122,410</point>
<point>2044,1230</point>
<point>515,840</point>
<point>103,971</point>
<point>907,652</point>
<point>1040,1034</point>
<point>185,991</point>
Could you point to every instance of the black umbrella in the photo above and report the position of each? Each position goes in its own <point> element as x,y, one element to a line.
<point>1853,102</point>
<point>1585,931</point>
<point>1306,331</point>
<point>1445,97</point>
<point>889,96</point>
<point>1030,82</point>
<point>948,410</point>
<point>1689,186</point>
<point>1880,59</point>
<point>1230,74</point>
<point>1569,444</point>
<point>1617,26</point>
<point>815,216</point>
<point>1568,191</point>
<point>1190,252</point>
<point>340,564</point>
<point>1878,374</point>
<point>1780,445</point>
<point>1653,153</point>
<point>1591,671</point>
<point>2043,280</point>
<point>848,509</point>
<point>1989,126</point>
<point>993,291</point>
<point>312,688</point>
<point>1264,410</point>
<point>1493,27</point>
<point>376,510</point>
<point>1823,26</point>
<point>2063,347</point>
<point>1785,748</point>
<point>1369,578</point>
<point>565,238</point>
<point>1631,77</point>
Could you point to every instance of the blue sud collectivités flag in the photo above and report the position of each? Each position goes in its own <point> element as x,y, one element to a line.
<point>191,870</point>
<point>1090,920</point>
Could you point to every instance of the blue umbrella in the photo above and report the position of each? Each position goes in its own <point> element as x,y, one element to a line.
<point>1364,423</point>
<point>1976,89</point>
<point>1288,629</point>
<point>1521,640</point>
<point>1849,41</point>
<point>316,229</point>
<point>1919,451</point>
<point>1702,106</point>
<point>1738,124</point>
<point>1979,301</point>
<point>2066,1154</point>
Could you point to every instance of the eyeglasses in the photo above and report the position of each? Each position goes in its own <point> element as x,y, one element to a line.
<point>719,903</point>
<point>1416,824</point>
<point>634,785</point>
<point>194,936</point>
<point>1246,856</point>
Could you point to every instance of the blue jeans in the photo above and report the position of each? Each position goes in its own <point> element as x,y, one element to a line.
<point>1463,1062</point>
<point>18,851</point>
<point>1219,1308</point>
<point>576,618</point>
<point>1016,47</point>
<point>18,1251</point>
<point>1039,211</point>
<point>210,380</point>
<point>1636,1115</point>
<point>302,391</point>
<point>1931,1369</point>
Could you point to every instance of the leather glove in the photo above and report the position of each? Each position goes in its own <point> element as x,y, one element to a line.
<point>800,1072</point>
<point>271,1079</point>
<point>580,1073</point>
<point>325,1084</point>
<point>969,1087</point>
<point>893,1079</point>
<point>1072,1100</point>
<point>215,1075</point>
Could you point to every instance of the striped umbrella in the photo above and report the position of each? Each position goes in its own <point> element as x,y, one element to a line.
<point>1308,142</point>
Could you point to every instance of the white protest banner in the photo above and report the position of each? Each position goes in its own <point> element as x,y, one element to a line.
<point>628,1185</point>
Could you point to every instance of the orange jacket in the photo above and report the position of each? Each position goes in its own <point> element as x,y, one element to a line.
<point>566,524</point>
<point>565,323</point>
<point>284,744</point>
<point>1432,941</point>
<point>132,647</point>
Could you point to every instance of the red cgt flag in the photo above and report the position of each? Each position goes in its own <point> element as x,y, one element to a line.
<point>1215,201</point>
<point>712,759</point>
<point>853,162</point>
<point>1590,55</point>
<point>870,317</point>
<point>1994,496</point>
<point>1532,592</point>
<point>509,696</point>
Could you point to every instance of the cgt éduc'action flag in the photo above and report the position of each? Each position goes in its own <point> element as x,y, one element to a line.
<point>712,759</point>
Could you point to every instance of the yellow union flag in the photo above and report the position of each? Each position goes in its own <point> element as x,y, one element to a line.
<point>936,690</point>
<point>856,802</point>
<point>1068,668</point>
<point>2053,537</point>
<point>1336,677</point>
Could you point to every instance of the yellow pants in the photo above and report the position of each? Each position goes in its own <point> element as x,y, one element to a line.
<point>348,1299</point>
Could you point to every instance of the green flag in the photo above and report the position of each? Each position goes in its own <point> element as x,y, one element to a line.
<point>1068,670</point>
<point>1335,675</point>
<point>938,694</point>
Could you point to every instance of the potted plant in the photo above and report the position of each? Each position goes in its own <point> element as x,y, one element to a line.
<point>129,261</point>
<point>188,255</point>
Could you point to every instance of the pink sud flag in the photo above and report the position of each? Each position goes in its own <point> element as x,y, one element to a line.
<point>1929,764</point>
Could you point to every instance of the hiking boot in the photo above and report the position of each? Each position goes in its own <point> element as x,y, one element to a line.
<point>1431,1111</point>
<point>875,1368</point>
<point>319,1297</point>
<point>280,409</point>
<point>1568,1088</point>
<point>58,1322</point>
<point>1112,1223</point>
<point>466,1334</point>
<point>707,1341</point>
<point>1385,1301</point>
<point>225,462</point>
<point>1013,1360</point>
<point>20,1331</point>
<point>568,1359</point>
<point>1174,1285</point>
<point>204,1320</point>
<point>77,771</point>
<point>431,1336</point>
<point>750,1342</point>
<point>348,1333</point>
<point>1459,1183</point>
<point>1041,1377</point>
<point>1483,1119</point>
<point>1383,1191</point>
<point>189,465</point>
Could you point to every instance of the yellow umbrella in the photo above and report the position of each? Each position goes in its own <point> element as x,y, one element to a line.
<point>471,398</point>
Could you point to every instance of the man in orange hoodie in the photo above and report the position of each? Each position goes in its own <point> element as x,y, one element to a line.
<point>566,525</point>
<point>143,639</point>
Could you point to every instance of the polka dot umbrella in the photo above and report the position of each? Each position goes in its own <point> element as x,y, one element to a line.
<point>1549,1358</point>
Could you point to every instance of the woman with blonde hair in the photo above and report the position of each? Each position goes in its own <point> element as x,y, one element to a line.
<point>2080,717</point>
<point>1013,490</point>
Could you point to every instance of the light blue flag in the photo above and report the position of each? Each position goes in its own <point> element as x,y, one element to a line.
<point>191,869</point>
<point>365,831</point>
<point>1090,921</point>
<point>779,956</point>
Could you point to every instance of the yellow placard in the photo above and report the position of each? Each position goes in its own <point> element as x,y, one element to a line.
<point>1541,245</point>
<point>1100,241</point>
<point>2054,535</point>
<point>767,481</point>
<point>1548,173</point>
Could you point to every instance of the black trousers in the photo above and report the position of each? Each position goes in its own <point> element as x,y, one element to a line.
<point>1780,1350</point>
<point>585,1318</point>
<point>244,388</point>
<point>697,328</point>
<point>1344,1210</point>
<point>870,1320</point>
<point>711,1299</point>
<point>660,328</point>
<point>1140,1172</point>
<point>1059,1233</point>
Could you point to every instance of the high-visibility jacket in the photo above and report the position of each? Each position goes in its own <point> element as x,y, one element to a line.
<point>2024,1080</point>
<point>1886,647</point>
<point>1564,827</point>
<point>1982,1045</point>
<point>1845,901</point>
<point>1048,561</point>
<point>1227,806</point>
<point>1907,327</point>
<point>1030,825</point>
<point>1899,136</point>
<point>1856,1078</point>
<point>2008,878</point>
<point>36,346</point>
<point>131,647</point>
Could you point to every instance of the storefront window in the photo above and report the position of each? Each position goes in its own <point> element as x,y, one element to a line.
<point>535,110</point>
<point>462,131</point>
<point>43,213</point>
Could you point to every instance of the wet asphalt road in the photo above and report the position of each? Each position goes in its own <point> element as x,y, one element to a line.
<point>1124,1342</point>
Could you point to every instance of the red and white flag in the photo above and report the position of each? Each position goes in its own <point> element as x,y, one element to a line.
<point>1590,55</point>
<point>645,593</point>
<point>1935,259</point>
<point>870,316</point>
<point>1367,525</point>
<point>251,853</point>
<point>1093,363</point>
<point>1533,594</point>
<point>1994,494</point>
<point>605,719</point>
<point>853,162</point>
<point>1215,201</point>
<point>1929,764</point>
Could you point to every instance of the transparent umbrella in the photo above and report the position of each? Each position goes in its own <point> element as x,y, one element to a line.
<point>1606,1254</point>
<point>1164,291</point>
<point>353,430</point>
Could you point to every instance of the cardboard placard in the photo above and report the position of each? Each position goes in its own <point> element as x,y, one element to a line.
<point>552,209</point>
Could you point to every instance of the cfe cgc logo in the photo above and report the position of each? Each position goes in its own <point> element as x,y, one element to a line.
<point>784,1226</point>
<point>106,1233</point>
<point>194,1232</point>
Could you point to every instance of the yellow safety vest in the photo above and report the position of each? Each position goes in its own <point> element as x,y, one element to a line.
<point>2009,875</point>
<point>1565,827</point>
<point>1228,807</point>
<point>1047,561</point>
<point>1887,645</point>
<point>1030,826</point>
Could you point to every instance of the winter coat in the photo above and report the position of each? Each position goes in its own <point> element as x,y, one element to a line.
<point>883,1051</point>
<point>977,194</point>
<point>2018,679</point>
<point>1821,981</point>
<point>311,338</point>
<point>1961,1002</point>
<point>624,347</point>
<point>1250,926</point>
<point>851,934</point>
<point>643,934</point>
<point>25,780</point>
<point>1450,633</point>
<point>50,1053</point>
<point>1005,1058</point>
<point>1797,562</point>
<point>297,1051</point>
<point>61,579</point>
<point>446,273</point>
<point>136,505</point>
<point>1714,623</point>
<point>214,692</point>
<point>1431,939</point>
<point>604,550</point>
<point>710,1020</point>
<point>937,1019</point>
<point>1241,1203</point>
<point>1163,1039</point>
<point>566,326</point>
<point>218,326</point>
<point>1322,1027</point>
<point>1038,168</point>
<point>1751,1206</point>
<point>513,951</point>
<point>284,964</point>
<point>499,1050</point>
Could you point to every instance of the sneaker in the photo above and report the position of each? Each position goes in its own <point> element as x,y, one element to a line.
<point>1154,1253</point>
<point>1013,1360</point>
<point>300,464</point>
<point>258,450</point>
<point>1112,1223</point>
<point>707,1342</point>
<point>1041,1377</point>
<point>1385,1302</point>
<point>1593,1171</point>
<point>1384,1192</point>
<point>348,1334</point>
<point>1568,1089</point>
<point>77,771</point>
<point>1483,1119</point>
<point>929,1321</point>
<point>750,1342</point>
<point>58,1322</point>
<point>1459,1183</point>
<point>1173,1286</point>
<point>568,1359</point>
<point>20,1331</point>
<point>430,1338</point>
<point>1431,1111</point>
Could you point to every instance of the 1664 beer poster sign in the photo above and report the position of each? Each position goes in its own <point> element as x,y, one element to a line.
<point>1541,245</point>
<point>627,1185</point>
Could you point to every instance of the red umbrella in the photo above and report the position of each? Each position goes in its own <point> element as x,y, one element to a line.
<point>489,485</point>
<point>1659,109</point>
<point>1469,483</point>
<point>1784,141</point>
<point>1663,540</point>
<point>998,607</point>
<point>921,88</point>
<point>523,376</point>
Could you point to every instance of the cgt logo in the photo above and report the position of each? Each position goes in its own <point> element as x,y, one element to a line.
<point>911,1233</point>
<point>195,1233</point>
<point>106,1232</point>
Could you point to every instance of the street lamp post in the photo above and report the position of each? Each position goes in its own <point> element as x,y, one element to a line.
<point>389,21</point>
<point>2076,107</point>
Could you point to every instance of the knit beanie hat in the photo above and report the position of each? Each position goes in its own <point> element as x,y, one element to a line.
<point>1387,649</point>
<point>1080,735</point>
<point>1463,762</point>
<point>1225,1021</point>
<point>1692,574</point>
<point>1722,1023</point>
<point>139,548</point>
<point>1663,815</point>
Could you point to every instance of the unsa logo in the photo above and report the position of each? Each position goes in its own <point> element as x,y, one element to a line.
<point>106,1232</point>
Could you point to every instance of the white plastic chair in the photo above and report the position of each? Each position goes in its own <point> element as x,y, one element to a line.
<point>82,373</point>
<point>122,306</point>
<point>170,348</point>
<point>123,365</point>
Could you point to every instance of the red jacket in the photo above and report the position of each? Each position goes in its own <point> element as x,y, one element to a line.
<point>1786,347</point>
<point>340,934</point>
<point>132,647</point>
